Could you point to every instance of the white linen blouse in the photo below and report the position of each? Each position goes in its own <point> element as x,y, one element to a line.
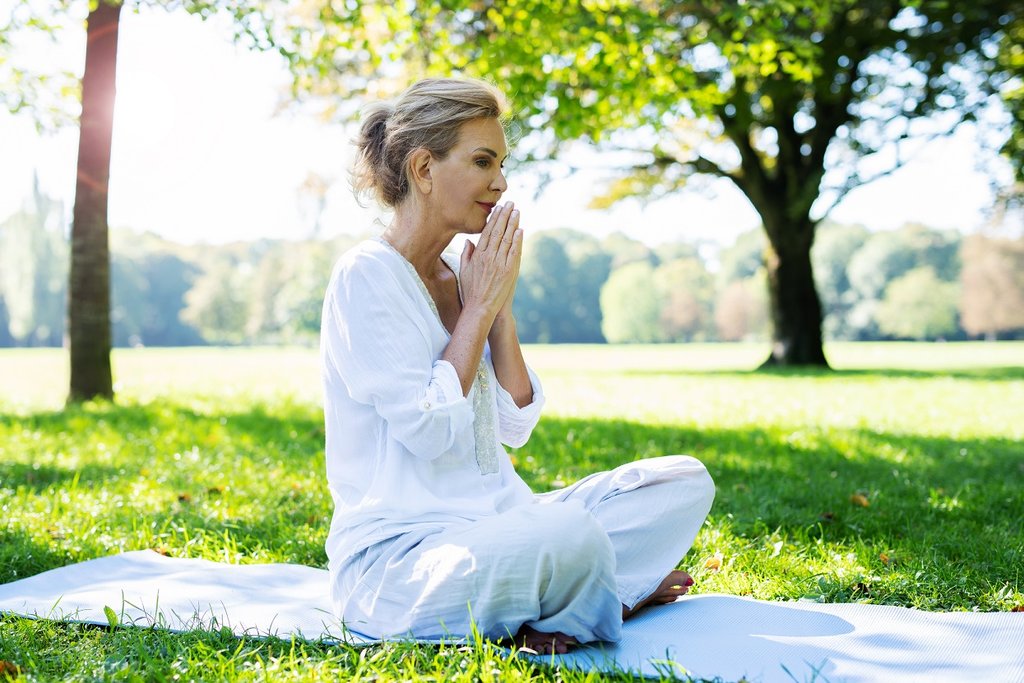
<point>405,450</point>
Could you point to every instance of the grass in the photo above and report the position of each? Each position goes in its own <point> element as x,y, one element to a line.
<point>218,453</point>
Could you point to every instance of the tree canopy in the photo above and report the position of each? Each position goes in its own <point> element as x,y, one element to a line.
<point>795,101</point>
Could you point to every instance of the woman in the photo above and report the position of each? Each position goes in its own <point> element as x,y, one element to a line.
<point>434,533</point>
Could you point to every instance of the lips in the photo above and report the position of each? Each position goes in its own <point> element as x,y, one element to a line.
<point>487,205</point>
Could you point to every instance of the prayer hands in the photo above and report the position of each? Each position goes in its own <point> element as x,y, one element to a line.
<point>490,269</point>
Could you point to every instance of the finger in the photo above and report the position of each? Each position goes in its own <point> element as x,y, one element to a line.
<point>467,254</point>
<point>515,251</point>
<point>501,225</point>
<point>508,236</point>
<point>490,226</point>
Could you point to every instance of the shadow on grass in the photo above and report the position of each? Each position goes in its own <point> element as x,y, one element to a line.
<point>41,477</point>
<point>253,484</point>
<point>22,556</point>
<point>917,487</point>
<point>985,374</point>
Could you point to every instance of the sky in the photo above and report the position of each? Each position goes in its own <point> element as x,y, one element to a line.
<point>202,153</point>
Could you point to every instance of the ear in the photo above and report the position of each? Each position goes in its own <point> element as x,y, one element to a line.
<point>420,162</point>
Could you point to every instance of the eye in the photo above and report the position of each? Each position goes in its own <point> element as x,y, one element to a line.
<point>483,162</point>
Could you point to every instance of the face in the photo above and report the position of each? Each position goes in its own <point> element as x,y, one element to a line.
<point>467,183</point>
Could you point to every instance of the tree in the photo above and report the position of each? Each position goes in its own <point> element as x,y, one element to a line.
<point>33,272</point>
<point>219,302</point>
<point>740,311</point>
<point>631,305</point>
<point>89,335</point>
<point>781,97</point>
<point>834,247</point>
<point>918,305</point>
<point>888,255</point>
<point>545,306</point>
<point>557,299</point>
<point>743,258</point>
<point>992,285</point>
<point>687,294</point>
<point>89,313</point>
<point>1011,58</point>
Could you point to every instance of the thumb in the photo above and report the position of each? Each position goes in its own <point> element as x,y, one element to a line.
<point>467,253</point>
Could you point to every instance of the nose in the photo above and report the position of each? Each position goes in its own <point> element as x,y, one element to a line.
<point>499,183</point>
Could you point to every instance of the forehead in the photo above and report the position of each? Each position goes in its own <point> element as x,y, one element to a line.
<point>483,133</point>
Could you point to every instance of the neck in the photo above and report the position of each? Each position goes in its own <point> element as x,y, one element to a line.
<point>415,238</point>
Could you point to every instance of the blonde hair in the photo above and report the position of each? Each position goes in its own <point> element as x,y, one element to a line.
<point>426,115</point>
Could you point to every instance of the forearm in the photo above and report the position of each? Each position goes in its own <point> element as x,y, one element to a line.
<point>507,357</point>
<point>467,345</point>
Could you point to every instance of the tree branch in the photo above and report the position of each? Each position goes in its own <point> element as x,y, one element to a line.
<point>856,180</point>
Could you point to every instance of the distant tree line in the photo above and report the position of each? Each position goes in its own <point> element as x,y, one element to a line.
<point>911,283</point>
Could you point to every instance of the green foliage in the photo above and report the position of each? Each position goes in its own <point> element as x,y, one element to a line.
<point>631,305</point>
<point>261,292</point>
<point>834,247</point>
<point>782,97</point>
<point>918,305</point>
<point>992,281</point>
<point>744,258</point>
<point>888,255</point>
<point>206,458</point>
<point>687,293</point>
<point>1011,58</point>
<point>33,272</point>
<point>741,309</point>
<point>560,282</point>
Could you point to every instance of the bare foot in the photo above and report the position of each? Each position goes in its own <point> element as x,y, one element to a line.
<point>541,643</point>
<point>671,587</point>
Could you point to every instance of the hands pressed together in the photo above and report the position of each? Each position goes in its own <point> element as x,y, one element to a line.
<point>490,269</point>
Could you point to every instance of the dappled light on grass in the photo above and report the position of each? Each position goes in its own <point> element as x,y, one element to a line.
<point>218,454</point>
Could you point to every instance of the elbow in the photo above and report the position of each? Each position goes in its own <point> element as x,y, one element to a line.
<point>433,430</point>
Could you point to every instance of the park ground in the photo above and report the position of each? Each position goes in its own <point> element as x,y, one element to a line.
<point>897,478</point>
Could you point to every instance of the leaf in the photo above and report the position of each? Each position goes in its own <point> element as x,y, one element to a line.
<point>860,500</point>
<point>9,670</point>
<point>111,616</point>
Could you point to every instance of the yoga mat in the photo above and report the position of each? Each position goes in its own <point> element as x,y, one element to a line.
<point>704,636</point>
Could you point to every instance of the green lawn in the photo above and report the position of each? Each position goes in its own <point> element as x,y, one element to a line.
<point>217,453</point>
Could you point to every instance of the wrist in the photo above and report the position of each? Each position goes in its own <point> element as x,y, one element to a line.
<point>504,323</point>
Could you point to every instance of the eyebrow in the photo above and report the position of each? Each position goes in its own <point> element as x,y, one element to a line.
<point>489,151</point>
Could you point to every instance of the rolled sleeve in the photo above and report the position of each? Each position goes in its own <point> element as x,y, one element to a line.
<point>515,424</point>
<point>445,387</point>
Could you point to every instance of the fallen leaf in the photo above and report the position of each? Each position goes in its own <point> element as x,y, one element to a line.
<point>827,516</point>
<point>215,490</point>
<point>860,500</point>
<point>163,550</point>
<point>1018,608</point>
<point>9,670</point>
<point>184,498</point>
<point>713,563</point>
<point>884,558</point>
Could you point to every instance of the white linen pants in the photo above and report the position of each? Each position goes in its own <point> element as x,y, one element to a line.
<point>567,563</point>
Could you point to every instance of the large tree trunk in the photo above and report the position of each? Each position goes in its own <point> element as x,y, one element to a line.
<point>795,307</point>
<point>89,280</point>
